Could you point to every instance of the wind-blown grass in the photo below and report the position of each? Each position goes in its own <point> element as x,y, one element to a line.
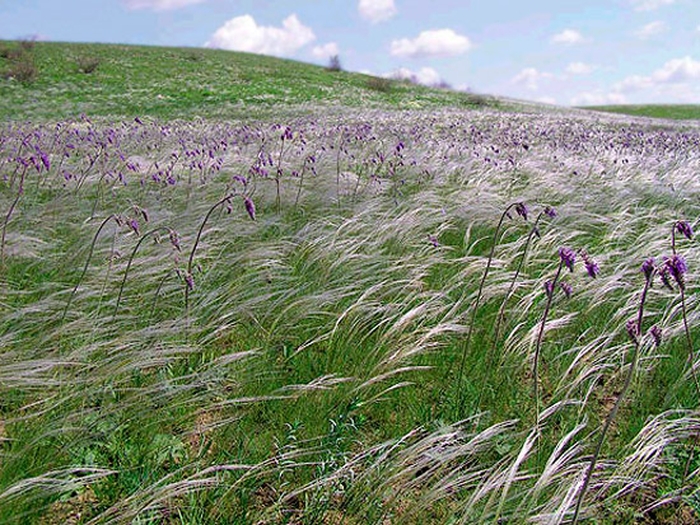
<point>310,366</point>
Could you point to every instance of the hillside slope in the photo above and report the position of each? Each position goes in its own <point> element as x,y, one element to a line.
<point>128,81</point>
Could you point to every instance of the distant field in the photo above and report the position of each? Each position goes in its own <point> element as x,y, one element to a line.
<point>668,111</point>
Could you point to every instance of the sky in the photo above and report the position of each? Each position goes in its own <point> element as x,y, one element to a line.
<point>564,52</point>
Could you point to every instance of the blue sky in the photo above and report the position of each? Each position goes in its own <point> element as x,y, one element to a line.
<point>566,52</point>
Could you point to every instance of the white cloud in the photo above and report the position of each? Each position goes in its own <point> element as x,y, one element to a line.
<point>579,68</point>
<point>326,50</point>
<point>433,43</point>
<point>567,37</point>
<point>650,5</point>
<point>159,5</point>
<point>530,78</point>
<point>598,98</point>
<point>426,76</point>
<point>651,29</point>
<point>244,34</point>
<point>677,70</point>
<point>633,83</point>
<point>547,100</point>
<point>376,10</point>
<point>676,80</point>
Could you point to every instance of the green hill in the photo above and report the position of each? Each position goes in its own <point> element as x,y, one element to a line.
<point>65,80</point>
<point>666,111</point>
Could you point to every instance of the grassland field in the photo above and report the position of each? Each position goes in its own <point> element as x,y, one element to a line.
<point>243,290</point>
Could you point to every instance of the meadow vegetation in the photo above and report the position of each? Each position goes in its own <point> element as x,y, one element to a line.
<point>266,306</point>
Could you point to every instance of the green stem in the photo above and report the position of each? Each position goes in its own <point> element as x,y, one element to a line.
<point>501,311</point>
<point>618,401</point>
<point>470,330</point>
<point>196,243</point>
<point>128,264</point>
<point>85,267</point>
<point>538,345</point>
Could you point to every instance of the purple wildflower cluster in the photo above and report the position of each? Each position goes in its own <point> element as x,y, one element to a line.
<point>676,268</point>
<point>521,209</point>
<point>592,267</point>
<point>684,229</point>
<point>567,258</point>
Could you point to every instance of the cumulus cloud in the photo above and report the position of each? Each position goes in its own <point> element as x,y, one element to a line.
<point>432,43</point>
<point>579,68</point>
<point>634,83</point>
<point>598,98</point>
<point>651,29</point>
<point>244,34</point>
<point>567,37</point>
<point>326,50</point>
<point>650,5</point>
<point>676,71</point>
<point>530,77</point>
<point>376,10</point>
<point>426,76</point>
<point>159,5</point>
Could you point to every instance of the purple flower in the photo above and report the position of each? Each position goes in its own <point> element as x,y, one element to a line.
<point>249,207</point>
<point>241,179</point>
<point>566,288</point>
<point>134,225</point>
<point>175,240</point>
<point>632,329</point>
<point>550,212</point>
<point>433,240</point>
<point>684,229</point>
<point>189,280</point>
<point>592,268</point>
<point>549,288</point>
<point>677,268</point>
<point>45,160</point>
<point>568,257</point>
<point>648,268</point>
<point>655,333</point>
<point>521,210</point>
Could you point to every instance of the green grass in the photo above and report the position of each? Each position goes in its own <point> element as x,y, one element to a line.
<point>312,374</point>
<point>665,111</point>
<point>131,81</point>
